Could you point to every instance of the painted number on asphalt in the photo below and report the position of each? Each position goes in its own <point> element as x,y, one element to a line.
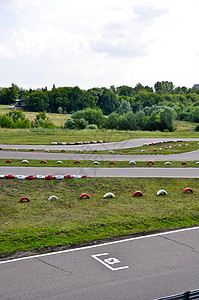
<point>111,263</point>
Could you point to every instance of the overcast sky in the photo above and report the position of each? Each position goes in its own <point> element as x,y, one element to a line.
<point>98,43</point>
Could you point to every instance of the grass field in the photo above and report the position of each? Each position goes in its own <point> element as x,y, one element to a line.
<point>57,119</point>
<point>46,137</point>
<point>102,164</point>
<point>42,225</point>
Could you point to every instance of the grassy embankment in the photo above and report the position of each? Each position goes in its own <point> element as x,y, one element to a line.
<point>43,225</point>
<point>102,164</point>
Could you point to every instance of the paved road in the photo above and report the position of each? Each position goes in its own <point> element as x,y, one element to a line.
<point>99,146</point>
<point>104,172</point>
<point>191,156</point>
<point>142,268</point>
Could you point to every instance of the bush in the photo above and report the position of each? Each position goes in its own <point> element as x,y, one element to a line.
<point>70,124</point>
<point>92,126</point>
<point>196,128</point>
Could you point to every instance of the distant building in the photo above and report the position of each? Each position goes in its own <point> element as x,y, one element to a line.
<point>196,86</point>
<point>19,104</point>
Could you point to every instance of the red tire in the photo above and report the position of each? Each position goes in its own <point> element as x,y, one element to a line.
<point>9,176</point>
<point>63,150</point>
<point>77,162</point>
<point>30,177</point>
<point>49,177</point>
<point>112,163</point>
<point>137,193</point>
<point>84,176</point>
<point>183,163</point>
<point>24,198</point>
<point>188,190</point>
<point>42,162</point>
<point>84,195</point>
<point>150,162</point>
<point>68,176</point>
<point>8,161</point>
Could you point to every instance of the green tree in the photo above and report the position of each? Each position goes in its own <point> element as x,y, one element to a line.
<point>37,101</point>
<point>124,107</point>
<point>167,117</point>
<point>164,87</point>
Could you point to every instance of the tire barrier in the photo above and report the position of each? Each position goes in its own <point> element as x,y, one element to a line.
<point>76,176</point>
<point>95,151</point>
<point>77,162</point>
<point>49,177</point>
<point>96,162</point>
<point>1,148</point>
<point>24,199</point>
<point>84,195</point>
<point>188,190</point>
<point>20,176</point>
<point>32,149</point>
<point>137,194</point>
<point>197,163</point>
<point>168,163</point>
<point>150,162</point>
<point>63,150</point>
<point>68,176</point>
<point>132,162</point>
<point>8,161</point>
<point>79,150</point>
<point>40,176</point>
<point>161,193</point>
<point>59,162</point>
<point>53,197</point>
<point>59,177</point>
<point>112,163</point>
<point>25,161</point>
<point>110,151</point>
<point>109,195</point>
<point>30,177</point>
<point>46,150</point>
<point>183,163</point>
<point>9,176</point>
<point>15,149</point>
<point>78,143</point>
<point>43,162</point>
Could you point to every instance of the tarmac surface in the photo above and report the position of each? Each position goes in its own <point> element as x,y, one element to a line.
<point>142,268</point>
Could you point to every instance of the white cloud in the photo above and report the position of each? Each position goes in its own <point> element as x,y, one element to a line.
<point>98,43</point>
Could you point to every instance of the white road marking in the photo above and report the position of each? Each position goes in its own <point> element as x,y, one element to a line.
<point>100,245</point>
<point>109,261</point>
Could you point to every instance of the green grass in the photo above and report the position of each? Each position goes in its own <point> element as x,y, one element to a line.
<point>46,137</point>
<point>43,225</point>
<point>57,119</point>
<point>102,164</point>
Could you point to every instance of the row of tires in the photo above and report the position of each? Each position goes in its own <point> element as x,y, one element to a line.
<point>47,177</point>
<point>78,143</point>
<point>109,195</point>
<point>132,162</point>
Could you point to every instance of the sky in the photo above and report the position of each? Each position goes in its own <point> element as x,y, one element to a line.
<point>98,43</point>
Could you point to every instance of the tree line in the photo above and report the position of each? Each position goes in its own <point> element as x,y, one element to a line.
<point>120,100</point>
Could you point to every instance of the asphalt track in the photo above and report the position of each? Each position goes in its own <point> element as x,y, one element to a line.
<point>142,268</point>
